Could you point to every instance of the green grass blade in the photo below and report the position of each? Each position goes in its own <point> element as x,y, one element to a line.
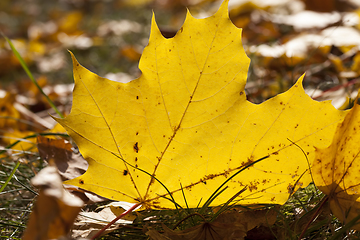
<point>226,205</point>
<point>152,176</point>
<point>10,177</point>
<point>220,189</point>
<point>23,64</point>
<point>22,184</point>
<point>344,229</point>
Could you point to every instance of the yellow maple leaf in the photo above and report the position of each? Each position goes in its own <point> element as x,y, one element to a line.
<point>336,168</point>
<point>12,137</point>
<point>9,115</point>
<point>186,124</point>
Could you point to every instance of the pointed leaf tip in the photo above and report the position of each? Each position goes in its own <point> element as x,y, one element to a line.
<point>155,32</point>
<point>224,7</point>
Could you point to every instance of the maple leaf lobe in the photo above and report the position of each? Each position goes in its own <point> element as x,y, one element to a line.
<point>184,123</point>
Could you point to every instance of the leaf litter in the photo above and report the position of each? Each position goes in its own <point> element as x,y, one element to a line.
<point>55,209</point>
<point>264,92</point>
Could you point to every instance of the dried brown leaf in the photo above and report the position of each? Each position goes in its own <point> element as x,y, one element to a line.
<point>55,209</point>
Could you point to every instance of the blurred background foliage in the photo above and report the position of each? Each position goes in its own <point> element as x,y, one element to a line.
<point>284,38</point>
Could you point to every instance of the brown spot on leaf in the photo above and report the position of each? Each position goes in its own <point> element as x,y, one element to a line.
<point>253,186</point>
<point>249,161</point>
<point>81,181</point>
<point>125,172</point>
<point>136,147</point>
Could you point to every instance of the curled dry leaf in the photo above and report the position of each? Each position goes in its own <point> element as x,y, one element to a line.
<point>69,164</point>
<point>60,151</point>
<point>336,168</point>
<point>55,209</point>
<point>87,224</point>
<point>250,219</point>
<point>229,225</point>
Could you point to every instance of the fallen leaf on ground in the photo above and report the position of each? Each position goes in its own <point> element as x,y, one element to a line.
<point>204,231</point>
<point>336,168</point>
<point>60,151</point>
<point>131,53</point>
<point>24,145</point>
<point>250,219</point>
<point>69,164</point>
<point>307,19</point>
<point>88,224</point>
<point>55,209</point>
<point>9,115</point>
<point>229,225</point>
<point>185,125</point>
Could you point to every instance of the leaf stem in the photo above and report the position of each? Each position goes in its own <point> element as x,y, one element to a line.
<point>152,176</point>
<point>98,234</point>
